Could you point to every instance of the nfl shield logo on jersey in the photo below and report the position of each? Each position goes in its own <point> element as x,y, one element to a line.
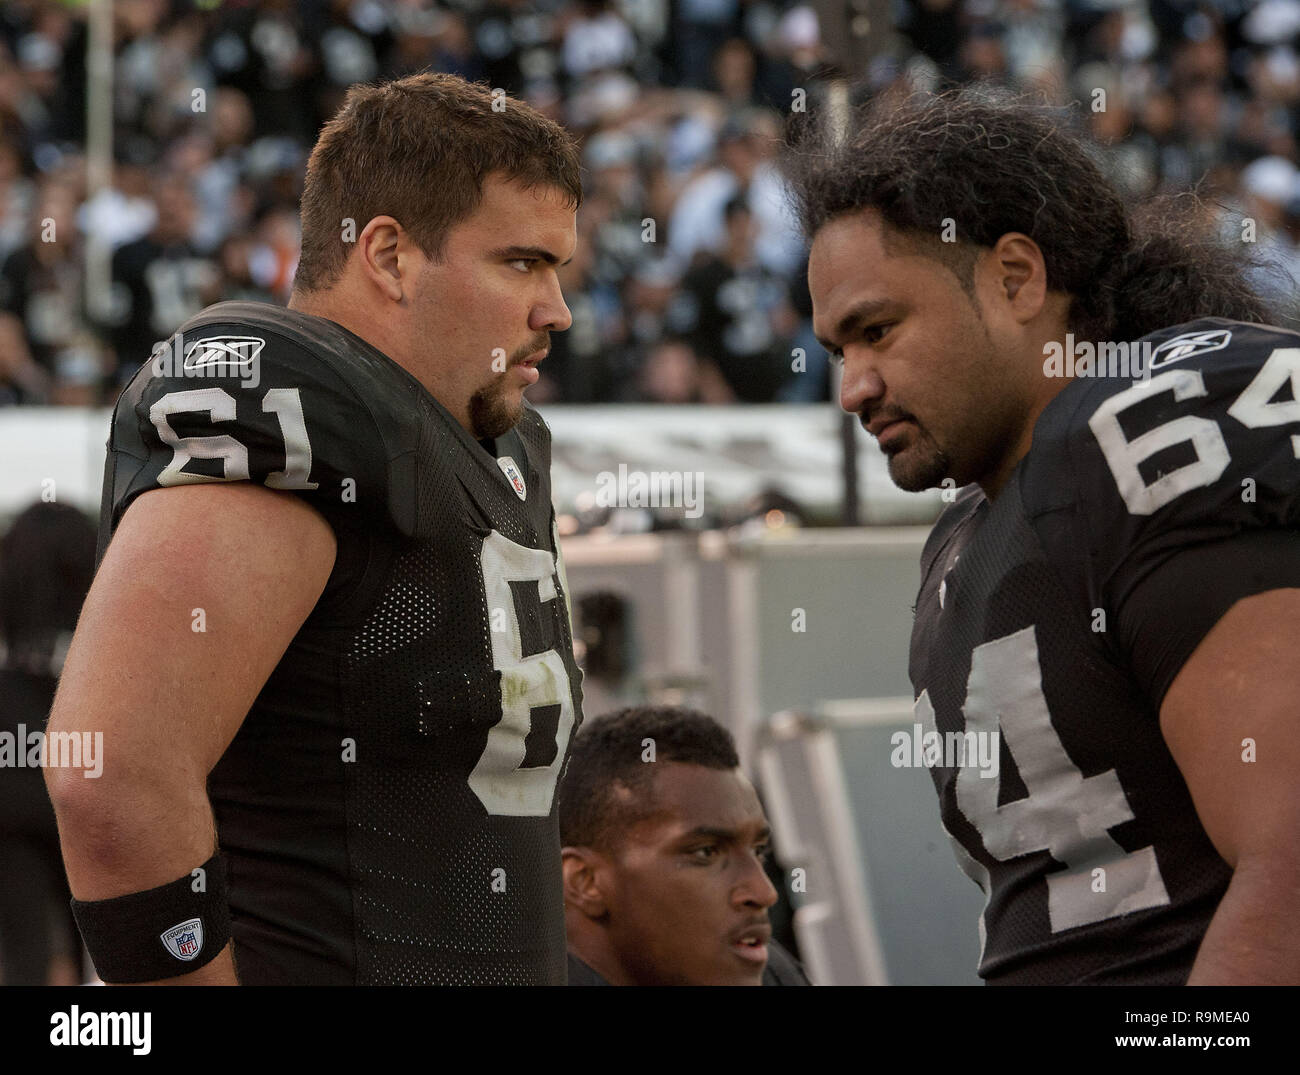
<point>511,471</point>
<point>185,941</point>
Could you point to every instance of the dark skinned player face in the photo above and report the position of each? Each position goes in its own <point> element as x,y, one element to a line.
<point>921,369</point>
<point>690,898</point>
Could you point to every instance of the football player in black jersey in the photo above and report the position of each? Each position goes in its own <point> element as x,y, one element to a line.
<point>1111,603</point>
<point>328,643</point>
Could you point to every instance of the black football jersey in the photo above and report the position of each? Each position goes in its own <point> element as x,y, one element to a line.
<point>387,808</point>
<point>1051,622</point>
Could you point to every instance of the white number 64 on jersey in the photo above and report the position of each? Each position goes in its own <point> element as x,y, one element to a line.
<point>1252,409</point>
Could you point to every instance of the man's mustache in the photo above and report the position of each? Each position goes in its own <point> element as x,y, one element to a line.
<point>544,344</point>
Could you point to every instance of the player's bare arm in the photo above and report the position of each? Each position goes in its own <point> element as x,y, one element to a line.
<point>1235,700</point>
<point>167,698</point>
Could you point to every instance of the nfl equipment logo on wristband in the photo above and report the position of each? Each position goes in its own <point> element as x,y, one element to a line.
<point>185,941</point>
<point>122,933</point>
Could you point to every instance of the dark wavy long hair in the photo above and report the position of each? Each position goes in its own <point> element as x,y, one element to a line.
<point>989,163</point>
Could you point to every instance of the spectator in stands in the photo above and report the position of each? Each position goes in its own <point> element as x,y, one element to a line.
<point>673,373</point>
<point>267,51</point>
<point>586,361</point>
<point>46,562</point>
<point>698,224</point>
<point>159,281</point>
<point>596,38</point>
<point>123,211</point>
<point>735,70</point>
<point>53,357</point>
<point>746,146</point>
<point>244,270</point>
<point>21,379</point>
<point>215,167</point>
<point>699,29</point>
<point>737,314</point>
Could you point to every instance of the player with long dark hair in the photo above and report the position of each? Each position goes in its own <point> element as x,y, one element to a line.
<point>1113,597</point>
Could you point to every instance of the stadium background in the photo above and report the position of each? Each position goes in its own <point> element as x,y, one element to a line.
<point>151,158</point>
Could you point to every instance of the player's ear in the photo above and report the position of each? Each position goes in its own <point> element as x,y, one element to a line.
<point>1020,275</point>
<point>378,249</point>
<point>583,875</point>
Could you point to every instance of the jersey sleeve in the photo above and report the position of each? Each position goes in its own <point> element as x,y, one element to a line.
<point>1183,488</point>
<point>230,402</point>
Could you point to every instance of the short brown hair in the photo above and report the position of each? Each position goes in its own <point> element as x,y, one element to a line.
<point>419,149</point>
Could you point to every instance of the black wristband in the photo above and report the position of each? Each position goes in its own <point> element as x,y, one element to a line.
<point>161,932</point>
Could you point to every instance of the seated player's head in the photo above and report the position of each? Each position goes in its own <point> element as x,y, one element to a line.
<point>664,843</point>
<point>954,237</point>
<point>434,214</point>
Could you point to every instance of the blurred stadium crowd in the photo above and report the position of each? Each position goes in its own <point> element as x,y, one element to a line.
<point>688,283</point>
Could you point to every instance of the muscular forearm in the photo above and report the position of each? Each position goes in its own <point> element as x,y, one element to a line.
<point>1253,939</point>
<point>119,838</point>
<point>125,833</point>
<point>191,610</point>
